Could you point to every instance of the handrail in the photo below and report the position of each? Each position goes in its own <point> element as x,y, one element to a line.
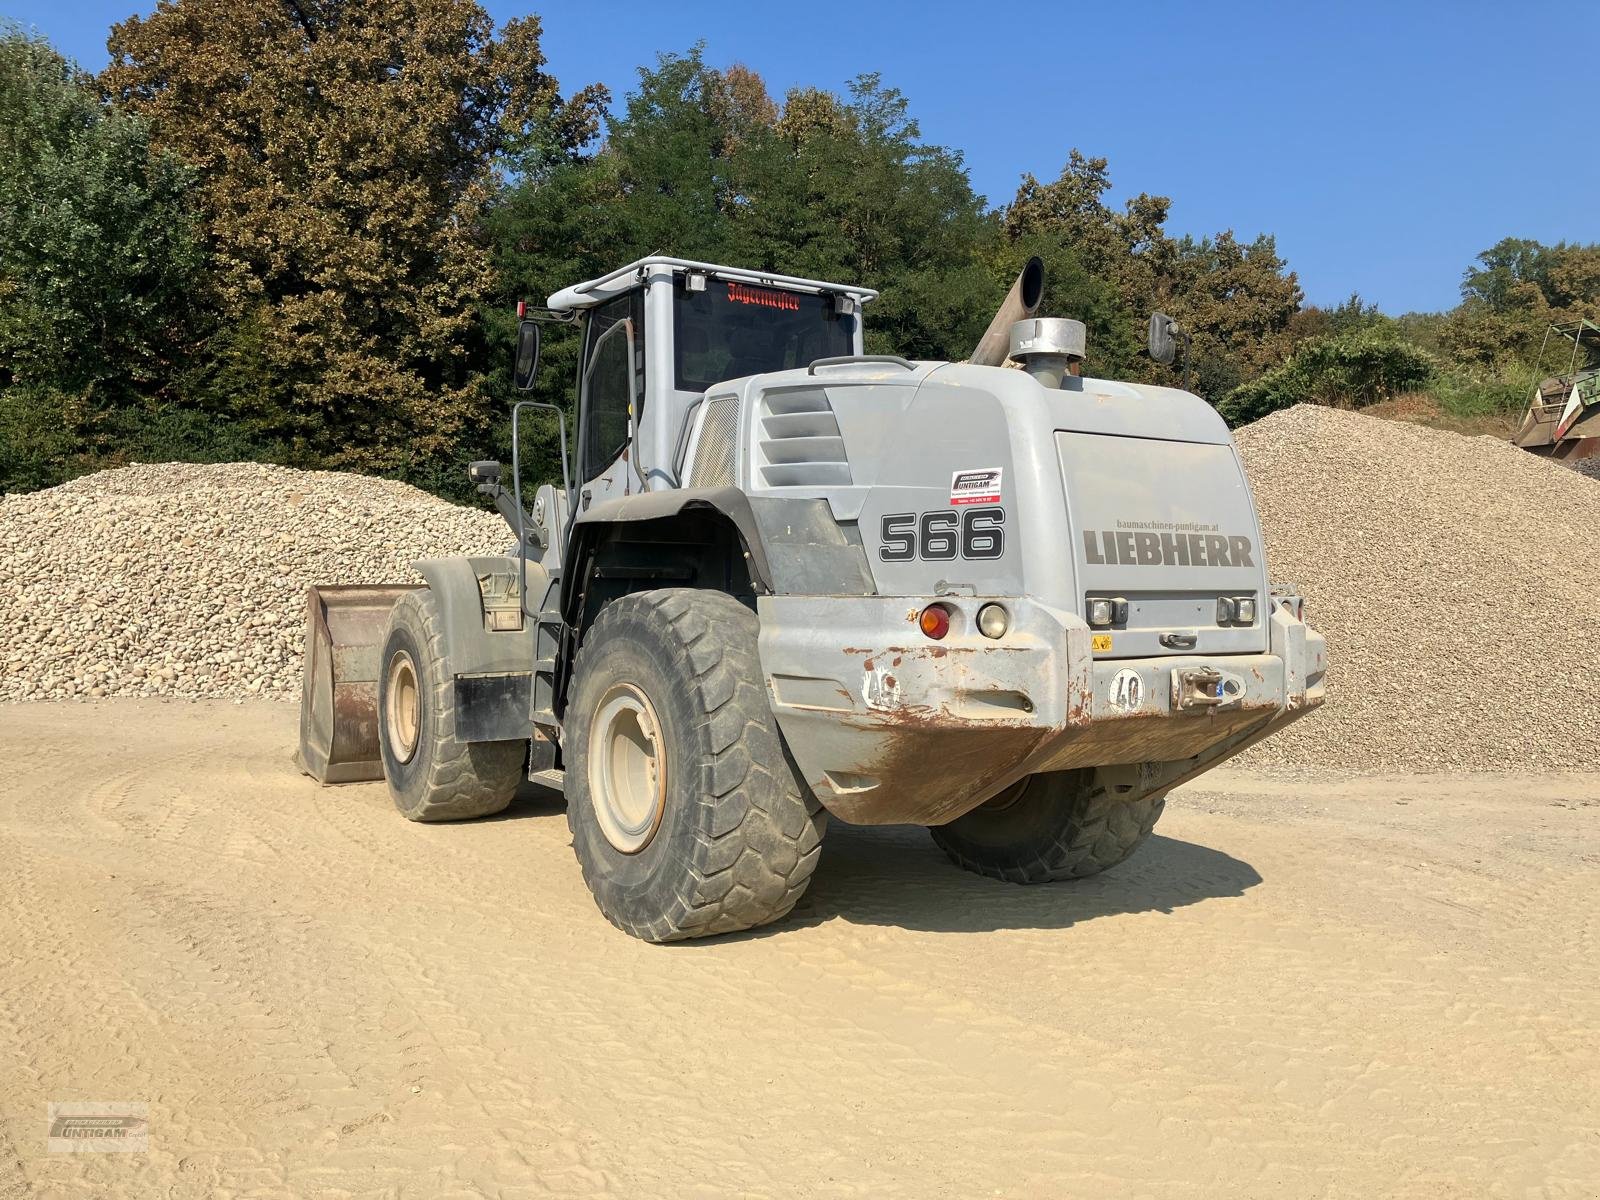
<point>846,359</point>
<point>516,485</point>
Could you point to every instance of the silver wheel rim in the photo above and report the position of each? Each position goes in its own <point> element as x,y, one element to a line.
<point>627,769</point>
<point>402,708</point>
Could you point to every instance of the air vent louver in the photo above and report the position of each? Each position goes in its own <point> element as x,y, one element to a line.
<point>800,443</point>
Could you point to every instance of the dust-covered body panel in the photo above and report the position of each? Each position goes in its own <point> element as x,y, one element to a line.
<point>970,486</point>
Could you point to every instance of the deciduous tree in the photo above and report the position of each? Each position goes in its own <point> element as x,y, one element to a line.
<point>344,150</point>
<point>98,261</point>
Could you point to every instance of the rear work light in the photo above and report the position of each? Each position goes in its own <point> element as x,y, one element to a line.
<point>1101,611</point>
<point>935,621</point>
<point>1236,610</point>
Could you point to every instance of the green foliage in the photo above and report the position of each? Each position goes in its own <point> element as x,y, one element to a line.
<point>297,232</point>
<point>98,264</point>
<point>702,163</point>
<point>1349,370</point>
<point>343,152</point>
<point>1472,392</point>
<point>1515,291</point>
<point>1351,316</point>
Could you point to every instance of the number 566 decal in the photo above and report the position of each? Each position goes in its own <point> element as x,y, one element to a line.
<point>943,533</point>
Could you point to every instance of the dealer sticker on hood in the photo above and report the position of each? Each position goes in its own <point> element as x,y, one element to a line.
<point>980,486</point>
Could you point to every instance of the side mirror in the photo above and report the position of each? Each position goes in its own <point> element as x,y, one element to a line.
<point>485,471</point>
<point>1163,344</point>
<point>526,365</point>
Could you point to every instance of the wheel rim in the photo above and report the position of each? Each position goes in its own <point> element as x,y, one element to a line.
<point>627,768</point>
<point>402,707</point>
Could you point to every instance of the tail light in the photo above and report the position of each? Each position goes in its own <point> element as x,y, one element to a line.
<point>935,621</point>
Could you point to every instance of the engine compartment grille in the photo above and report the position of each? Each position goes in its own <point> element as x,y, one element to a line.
<point>716,456</point>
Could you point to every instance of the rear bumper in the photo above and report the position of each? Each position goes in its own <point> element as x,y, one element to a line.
<point>890,727</point>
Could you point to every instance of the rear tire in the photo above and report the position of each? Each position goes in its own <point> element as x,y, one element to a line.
<point>1048,827</point>
<point>687,815</point>
<point>432,775</point>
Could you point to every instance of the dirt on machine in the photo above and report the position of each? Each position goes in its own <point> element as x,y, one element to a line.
<point>782,579</point>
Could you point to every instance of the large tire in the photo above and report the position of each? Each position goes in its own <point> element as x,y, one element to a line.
<point>687,815</point>
<point>1049,827</point>
<point>432,775</point>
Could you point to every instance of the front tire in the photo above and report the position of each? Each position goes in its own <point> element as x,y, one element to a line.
<point>432,775</point>
<point>1048,827</point>
<point>686,813</point>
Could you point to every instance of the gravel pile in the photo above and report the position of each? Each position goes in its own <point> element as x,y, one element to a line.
<point>1457,581</point>
<point>184,580</point>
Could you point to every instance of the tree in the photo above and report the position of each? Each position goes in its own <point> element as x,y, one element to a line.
<point>1515,291</point>
<point>701,163</point>
<point>1350,316</point>
<point>1128,250</point>
<point>1347,370</point>
<point>98,261</point>
<point>1236,299</point>
<point>344,150</point>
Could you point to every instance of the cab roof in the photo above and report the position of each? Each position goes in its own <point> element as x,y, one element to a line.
<point>597,291</point>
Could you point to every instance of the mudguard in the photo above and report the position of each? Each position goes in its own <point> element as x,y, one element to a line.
<point>493,666</point>
<point>791,546</point>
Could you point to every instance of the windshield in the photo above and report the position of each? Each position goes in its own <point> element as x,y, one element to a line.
<point>735,329</point>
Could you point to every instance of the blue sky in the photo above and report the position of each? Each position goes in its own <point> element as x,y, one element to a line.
<point>1385,144</point>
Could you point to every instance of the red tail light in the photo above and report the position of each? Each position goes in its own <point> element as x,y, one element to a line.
<point>935,621</point>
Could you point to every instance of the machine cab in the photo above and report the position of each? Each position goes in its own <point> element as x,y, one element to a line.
<point>661,331</point>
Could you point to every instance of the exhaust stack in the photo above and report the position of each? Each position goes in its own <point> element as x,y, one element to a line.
<point>1021,302</point>
<point>1049,348</point>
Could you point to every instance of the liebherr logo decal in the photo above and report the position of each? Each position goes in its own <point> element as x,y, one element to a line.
<point>1124,547</point>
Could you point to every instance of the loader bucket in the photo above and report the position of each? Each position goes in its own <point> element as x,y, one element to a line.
<point>339,696</point>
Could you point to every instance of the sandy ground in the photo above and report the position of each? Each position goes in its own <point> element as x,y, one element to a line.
<point>1302,987</point>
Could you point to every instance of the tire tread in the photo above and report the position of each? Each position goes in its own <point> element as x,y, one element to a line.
<point>1100,831</point>
<point>464,779</point>
<point>760,832</point>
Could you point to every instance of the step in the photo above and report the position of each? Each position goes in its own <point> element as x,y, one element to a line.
<point>553,779</point>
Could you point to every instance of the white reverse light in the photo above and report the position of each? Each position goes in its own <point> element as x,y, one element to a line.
<point>992,621</point>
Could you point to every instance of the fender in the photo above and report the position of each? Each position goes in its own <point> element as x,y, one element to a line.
<point>493,668</point>
<point>791,547</point>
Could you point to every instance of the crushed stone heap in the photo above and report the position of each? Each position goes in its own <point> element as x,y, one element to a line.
<point>183,580</point>
<point>1457,580</point>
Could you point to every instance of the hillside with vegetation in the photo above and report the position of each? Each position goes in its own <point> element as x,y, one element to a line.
<point>295,233</point>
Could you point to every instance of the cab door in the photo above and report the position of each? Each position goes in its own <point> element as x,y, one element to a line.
<point>610,394</point>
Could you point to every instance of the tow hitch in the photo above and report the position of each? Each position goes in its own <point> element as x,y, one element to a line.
<point>1205,687</point>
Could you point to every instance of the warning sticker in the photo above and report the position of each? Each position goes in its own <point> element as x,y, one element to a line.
<point>981,486</point>
<point>1101,642</point>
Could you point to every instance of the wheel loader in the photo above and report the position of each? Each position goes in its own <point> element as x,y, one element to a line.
<point>783,579</point>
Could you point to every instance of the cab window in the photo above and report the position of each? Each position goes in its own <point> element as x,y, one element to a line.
<point>731,329</point>
<point>607,371</point>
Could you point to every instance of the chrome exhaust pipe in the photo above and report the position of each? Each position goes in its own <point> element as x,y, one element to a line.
<point>1021,302</point>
